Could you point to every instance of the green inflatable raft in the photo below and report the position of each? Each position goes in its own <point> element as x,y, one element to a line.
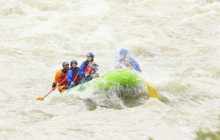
<point>123,78</point>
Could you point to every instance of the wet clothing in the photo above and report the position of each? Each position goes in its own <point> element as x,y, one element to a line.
<point>62,88</point>
<point>61,80</point>
<point>74,76</point>
<point>88,67</point>
<point>130,63</point>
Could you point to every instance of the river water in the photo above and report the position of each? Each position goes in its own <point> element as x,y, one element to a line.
<point>177,44</point>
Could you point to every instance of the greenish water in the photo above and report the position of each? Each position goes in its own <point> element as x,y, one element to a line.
<point>207,135</point>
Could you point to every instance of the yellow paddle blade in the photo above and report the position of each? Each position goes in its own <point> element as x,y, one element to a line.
<point>152,91</point>
<point>40,98</point>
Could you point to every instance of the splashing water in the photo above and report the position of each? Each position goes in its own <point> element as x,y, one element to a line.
<point>175,42</point>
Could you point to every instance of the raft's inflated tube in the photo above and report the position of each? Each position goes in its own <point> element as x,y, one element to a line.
<point>126,78</point>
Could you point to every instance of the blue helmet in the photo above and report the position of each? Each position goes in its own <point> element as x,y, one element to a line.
<point>123,51</point>
<point>72,62</point>
<point>65,63</point>
<point>90,54</point>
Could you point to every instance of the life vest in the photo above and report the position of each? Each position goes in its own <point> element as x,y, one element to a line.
<point>90,68</point>
<point>63,77</point>
<point>78,78</point>
<point>126,62</point>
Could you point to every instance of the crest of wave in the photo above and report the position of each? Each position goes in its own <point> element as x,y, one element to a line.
<point>117,97</point>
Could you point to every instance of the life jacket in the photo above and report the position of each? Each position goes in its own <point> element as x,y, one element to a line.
<point>126,62</point>
<point>90,68</point>
<point>63,77</point>
<point>75,73</point>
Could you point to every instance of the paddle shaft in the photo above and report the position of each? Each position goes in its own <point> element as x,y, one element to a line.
<point>54,89</point>
<point>48,94</point>
<point>73,81</point>
<point>84,79</point>
<point>82,82</point>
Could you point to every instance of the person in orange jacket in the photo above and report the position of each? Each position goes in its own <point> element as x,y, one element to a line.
<point>61,78</point>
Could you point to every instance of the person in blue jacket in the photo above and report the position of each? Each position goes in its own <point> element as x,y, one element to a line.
<point>74,76</point>
<point>128,61</point>
<point>89,68</point>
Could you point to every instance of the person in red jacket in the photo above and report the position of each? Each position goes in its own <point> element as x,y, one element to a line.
<point>61,78</point>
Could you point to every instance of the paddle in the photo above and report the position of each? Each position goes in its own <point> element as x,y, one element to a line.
<point>42,98</point>
<point>73,81</point>
<point>84,79</point>
<point>82,82</point>
<point>152,91</point>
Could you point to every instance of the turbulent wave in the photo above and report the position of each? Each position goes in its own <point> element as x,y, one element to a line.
<point>117,97</point>
<point>175,42</point>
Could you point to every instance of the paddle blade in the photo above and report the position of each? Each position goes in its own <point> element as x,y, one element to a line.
<point>40,98</point>
<point>152,91</point>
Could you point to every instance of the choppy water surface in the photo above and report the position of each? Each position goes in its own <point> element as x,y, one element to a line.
<point>176,43</point>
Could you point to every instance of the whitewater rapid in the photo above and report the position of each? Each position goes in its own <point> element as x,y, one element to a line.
<point>175,42</point>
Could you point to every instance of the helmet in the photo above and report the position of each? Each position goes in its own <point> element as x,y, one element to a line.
<point>73,61</point>
<point>65,63</point>
<point>123,51</point>
<point>90,54</point>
